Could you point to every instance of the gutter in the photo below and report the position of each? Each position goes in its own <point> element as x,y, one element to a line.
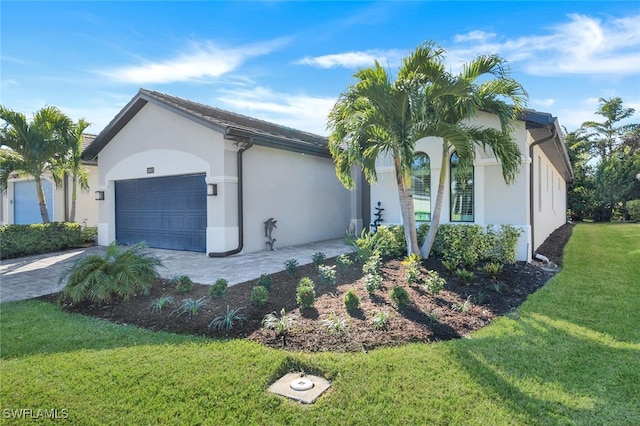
<point>531,186</point>
<point>244,143</point>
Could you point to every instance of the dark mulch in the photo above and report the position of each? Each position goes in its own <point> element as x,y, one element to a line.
<point>426,319</point>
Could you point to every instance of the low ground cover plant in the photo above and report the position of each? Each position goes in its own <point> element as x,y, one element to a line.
<point>160,303</point>
<point>190,306</point>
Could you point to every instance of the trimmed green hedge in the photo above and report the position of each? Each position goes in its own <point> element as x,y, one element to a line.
<point>24,240</point>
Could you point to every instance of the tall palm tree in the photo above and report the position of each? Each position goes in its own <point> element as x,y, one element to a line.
<point>488,88</point>
<point>34,146</point>
<point>376,116</point>
<point>72,164</point>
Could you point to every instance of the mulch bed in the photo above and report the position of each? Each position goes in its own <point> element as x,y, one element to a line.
<point>427,319</point>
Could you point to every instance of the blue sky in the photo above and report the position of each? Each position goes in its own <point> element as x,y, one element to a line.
<point>287,62</point>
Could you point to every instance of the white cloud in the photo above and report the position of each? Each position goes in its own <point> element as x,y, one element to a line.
<point>299,111</point>
<point>546,103</point>
<point>204,60</point>
<point>581,45</point>
<point>354,59</point>
<point>479,36</point>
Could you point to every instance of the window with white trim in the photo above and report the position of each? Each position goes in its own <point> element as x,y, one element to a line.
<point>461,191</point>
<point>421,187</point>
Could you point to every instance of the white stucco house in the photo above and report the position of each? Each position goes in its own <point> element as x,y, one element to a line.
<point>19,204</point>
<point>536,202</point>
<point>181,175</point>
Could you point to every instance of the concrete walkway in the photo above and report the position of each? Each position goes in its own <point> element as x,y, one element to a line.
<point>34,276</point>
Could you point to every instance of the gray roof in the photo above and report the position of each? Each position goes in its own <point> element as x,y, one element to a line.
<point>545,129</point>
<point>233,126</point>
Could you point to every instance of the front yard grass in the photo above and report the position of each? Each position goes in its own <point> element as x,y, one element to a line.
<point>570,355</point>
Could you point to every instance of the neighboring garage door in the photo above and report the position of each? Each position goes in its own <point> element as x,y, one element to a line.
<point>26,209</point>
<point>166,212</point>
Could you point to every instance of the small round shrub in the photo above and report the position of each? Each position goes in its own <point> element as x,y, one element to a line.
<point>318,258</point>
<point>327,274</point>
<point>351,300</point>
<point>259,296</point>
<point>305,296</point>
<point>343,262</point>
<point>399,296</point>
<point>306,282</point>
<point>265,281</point>
<point>182,283</point>
<point>218,289</point>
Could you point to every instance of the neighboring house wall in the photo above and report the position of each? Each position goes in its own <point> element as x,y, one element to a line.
<point>86,206</point>
<point>495,202</point>
<point>300,191</point>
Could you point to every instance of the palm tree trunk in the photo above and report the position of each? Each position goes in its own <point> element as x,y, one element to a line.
<point>407,212</point>
<point>74,195</point>
<point>41,201</point>
<point>437,209</point>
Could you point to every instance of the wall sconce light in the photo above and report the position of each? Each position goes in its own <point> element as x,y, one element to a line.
<point>212,189</point>
<point>99,195</point>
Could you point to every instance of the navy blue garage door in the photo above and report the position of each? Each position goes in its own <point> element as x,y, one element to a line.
<point>166,212</point>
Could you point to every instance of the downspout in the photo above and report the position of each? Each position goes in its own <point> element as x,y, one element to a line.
<point>245,145</point>
<point>531,186</point>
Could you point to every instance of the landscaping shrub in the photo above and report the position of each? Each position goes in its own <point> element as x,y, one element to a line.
<point>434,283</point>
<point>182,283</point>
<point>259,296</point>
<point>219,288</point>
<point>327,274</point>
<point>399,296</point>
<point>351,300</point>
<point>501,245</point>
<point>291,266</point>
<point>318,258</point>
<point>458,244</point>
<point>119,272</point>
<point>633,208</point>
<point>306,282</point>
<point>265,281</point>
<point>305,296</point>
<point>343,262</point>
<point>23,240</point>
<point>372,265</point>
<point>412,268</point>
<point>372,282</point>
<point>389,241</point>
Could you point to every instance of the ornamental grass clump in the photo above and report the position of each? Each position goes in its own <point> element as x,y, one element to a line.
<point>336,325</point>
<point>190,307</point>
<point>380,320</point>
<point>227,321</point>
<point>282,323</point>
<point>160,303</point>
<point>119,273</point>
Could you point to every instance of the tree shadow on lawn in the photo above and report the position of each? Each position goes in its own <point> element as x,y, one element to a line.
<point>549,372</point>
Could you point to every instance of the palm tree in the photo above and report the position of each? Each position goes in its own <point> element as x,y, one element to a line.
<point>72,164</point>
<point>490,89</point>
<point>376,116</point>
<point>606,136</point>
<point>34,147</point>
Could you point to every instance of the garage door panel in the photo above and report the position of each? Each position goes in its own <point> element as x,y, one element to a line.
<point>167,212</point>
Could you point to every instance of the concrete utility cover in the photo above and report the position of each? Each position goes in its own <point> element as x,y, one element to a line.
<point>286,385</point>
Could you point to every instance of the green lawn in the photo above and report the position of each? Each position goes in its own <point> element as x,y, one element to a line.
<point>571,355</point>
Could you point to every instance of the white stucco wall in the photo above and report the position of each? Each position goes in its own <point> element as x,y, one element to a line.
<point>549,197</point>
<point>495,202</point>
<point>300,191</point>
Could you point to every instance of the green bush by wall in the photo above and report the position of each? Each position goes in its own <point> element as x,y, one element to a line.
<point>23,240</point>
